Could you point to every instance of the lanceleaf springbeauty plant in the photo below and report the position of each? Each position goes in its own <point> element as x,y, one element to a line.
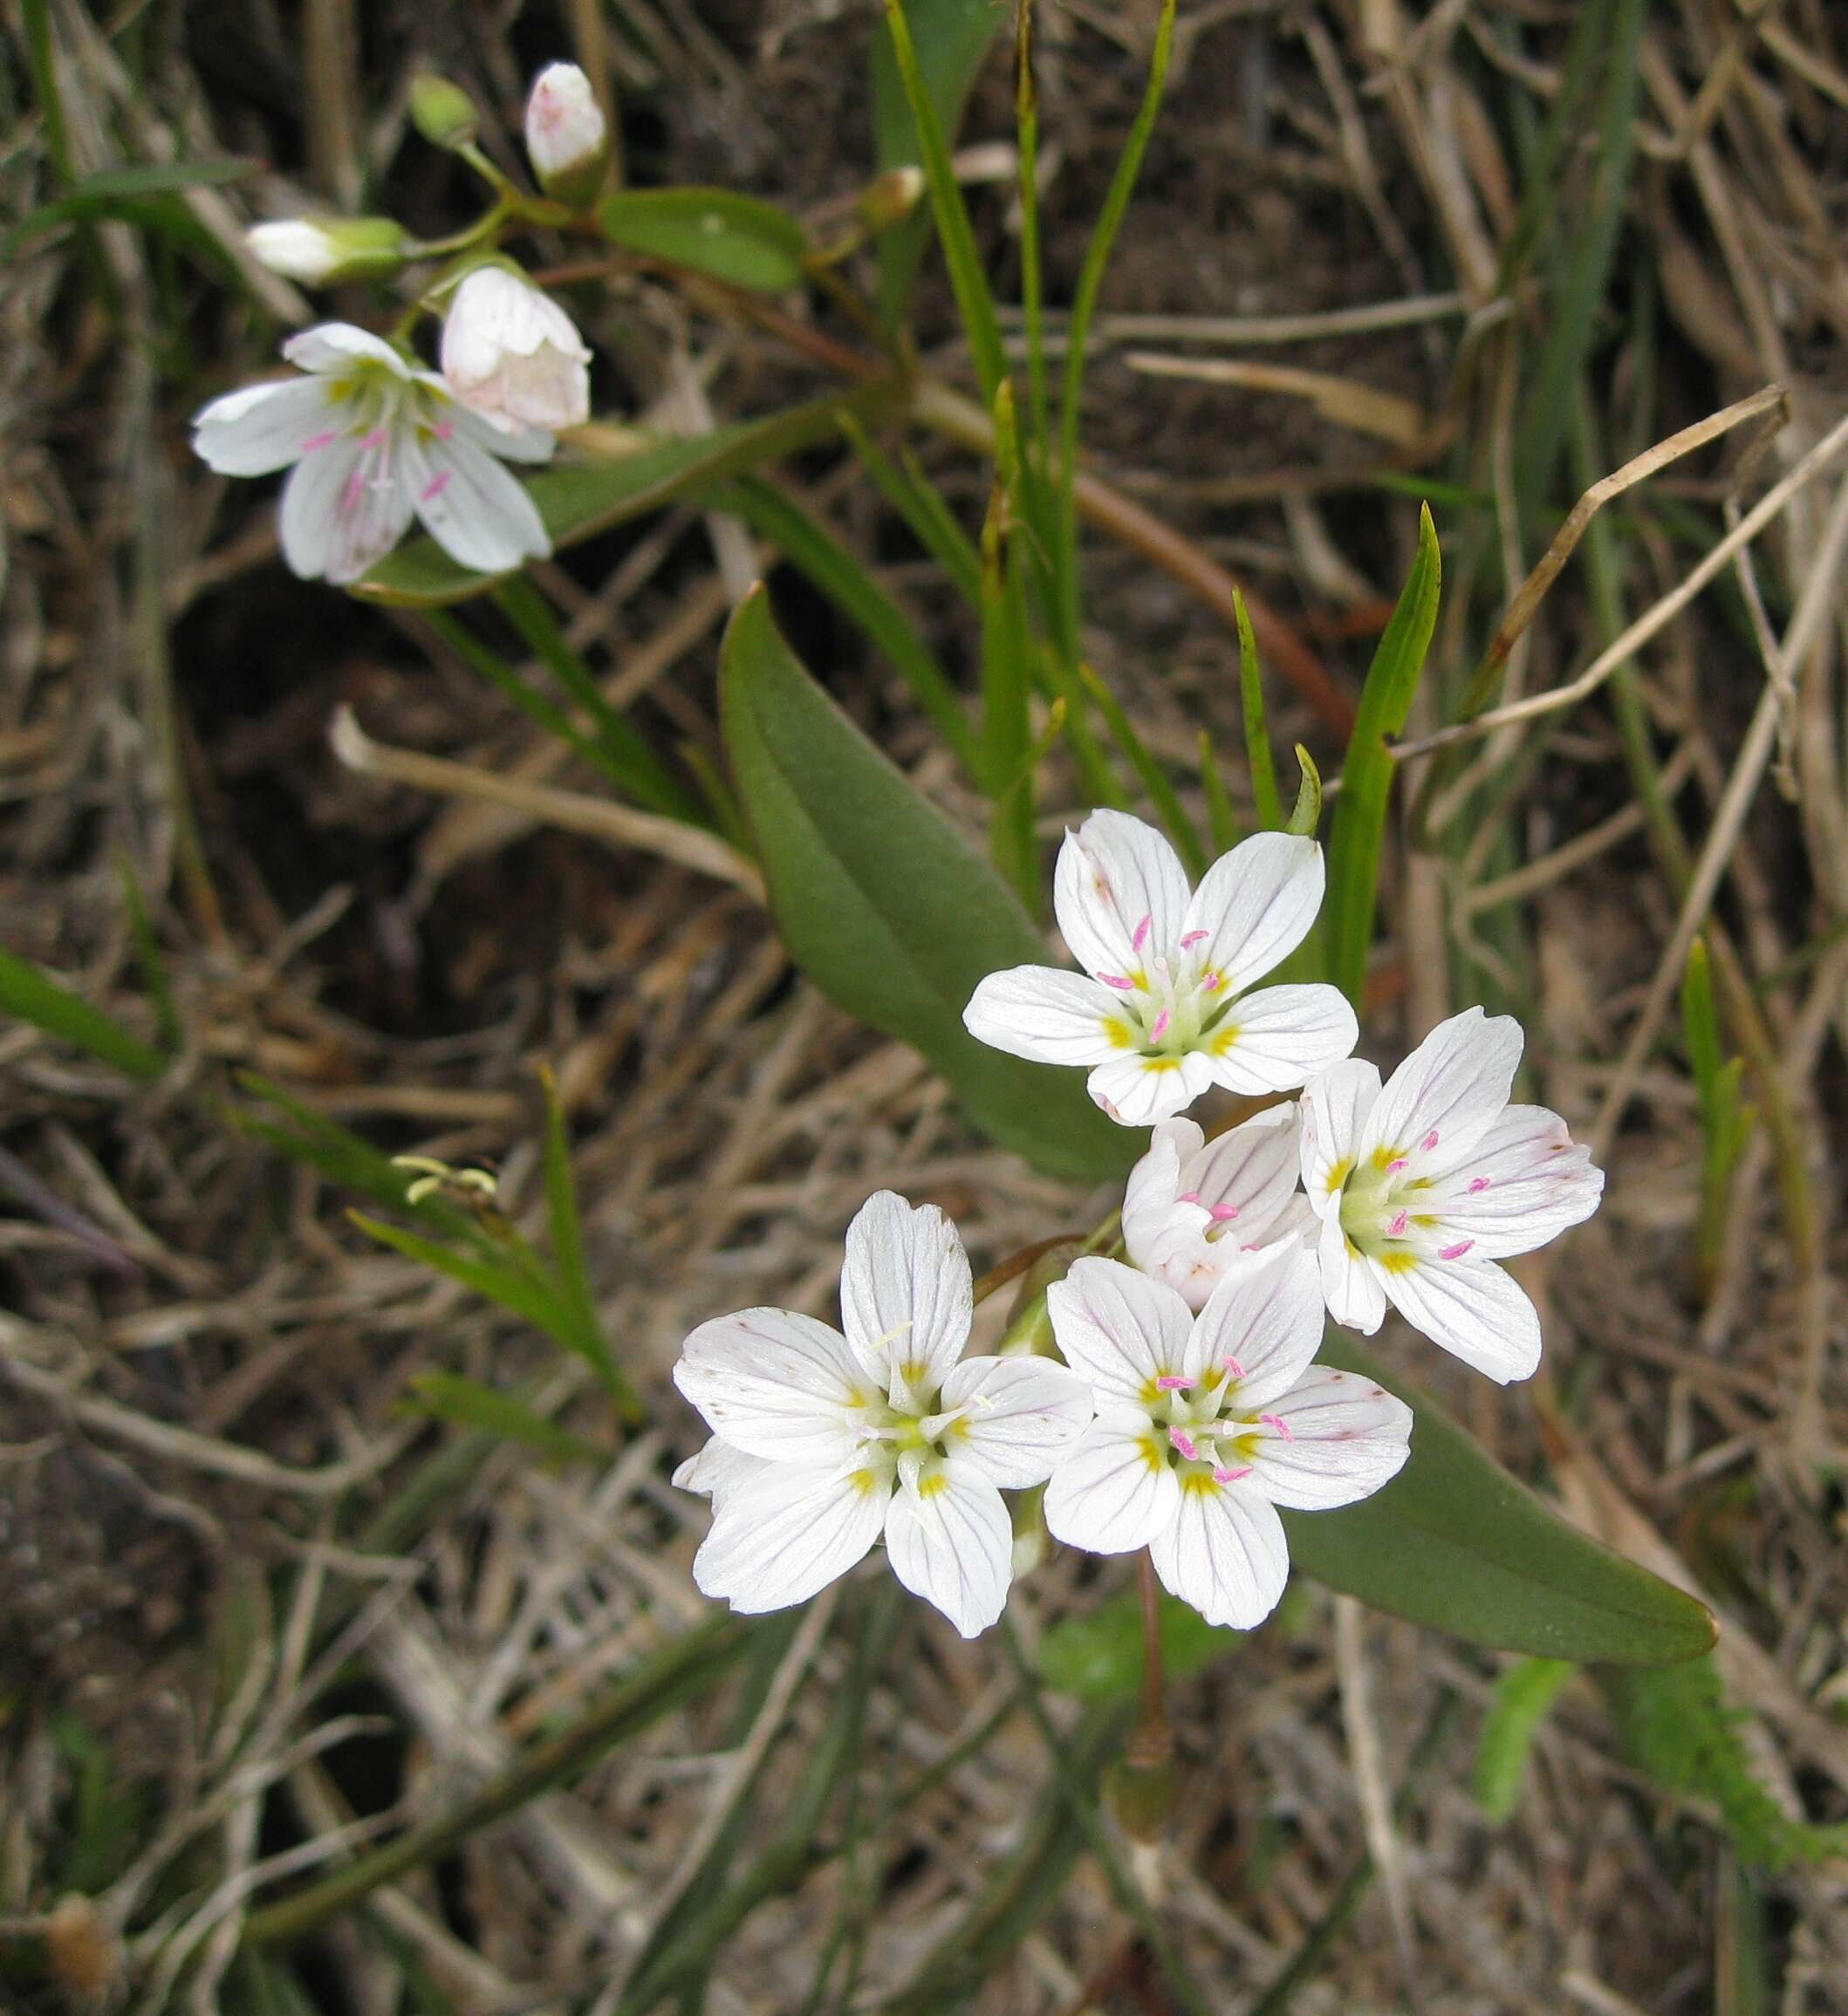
<point>1178,1379</point>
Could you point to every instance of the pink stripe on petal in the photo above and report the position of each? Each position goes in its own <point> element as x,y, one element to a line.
<point>319,441</point>
<point>376,439</point>
<point>355,490</point>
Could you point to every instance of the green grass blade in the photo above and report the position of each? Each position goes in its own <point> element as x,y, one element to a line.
<point>1165,799</point>
<point>922,505</point>
<point>34,997</point>
<point>1358,831</point>
<point>566,1233</point>
<point>1220,818</point>
<point>1267,803</point>
<point>1007,671</point>
<point>967,276</point>
<point>468,1404</point>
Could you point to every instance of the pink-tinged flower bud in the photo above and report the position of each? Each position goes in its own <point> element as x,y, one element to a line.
<point>320,251</point>
<point>513,355</point>
<point>566,138</point>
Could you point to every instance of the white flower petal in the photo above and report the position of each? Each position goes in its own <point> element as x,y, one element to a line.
<point>1152,1212</point>
<point>513,355</point>
<point>1346,1438</point>
<point>1136,1091</point>
<point>372,509</point>
<point>478,512</point>
<point>1251,1167</point>
<point>1118,1328</point>
<point>1334,1106</point>
<point>774,1384</point>
<point>1446,1094</point>
<point>335,346</point>
<point>1522,1185</point>
<point>1023,1413</point>
<point>1280,1037</point>
<point>308,520</point>
<point>1473,1309</point>
<point>905,1295</point>
<point>1111,874</point>
<point>781,1535</point>
<point>717,1470</point>
<point>949,1540</point>
<point>1266,1318</point>
<point>1049,1015</point>
<point>1196,1210</point>
<point>1224,1552</point>
<point>262,428</point>
<point>1257,903</point>
<point>1115,1491</point>
<point>1351,1283</point>
<point>521,444</point>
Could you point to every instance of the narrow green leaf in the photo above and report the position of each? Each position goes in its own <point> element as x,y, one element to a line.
<point>1359,830</point>
<point>1220,815</point>
<point>566,1233</point>
<point>813,550</point>
<point>538,1303</point>
<point>468,1404</point>
<point>1307,814</point>
<point>1700,1023</point>
<point>740,240</point>
<point>1522,1696</point>
<point>884,904</point>
<point>1267,804</point>
<point>1455,1543</point>
<point>1155,781</point>
<point>1007,669</point>
<point>951,39</point>
<point>148,957</point>
<point>967,278</point>
<point>579,499</point>
<point>35,997</point>
<point>923,506</point>
<point>1097,1655</point>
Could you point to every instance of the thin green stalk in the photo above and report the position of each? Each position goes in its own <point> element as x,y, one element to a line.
<point>1267,801</point>
<point>1084,306</point>
<point>1220,818</point>
<point>1007,673</point>
<point>921,504</point>
<point>1161,792</point>
<point>1026,118</point>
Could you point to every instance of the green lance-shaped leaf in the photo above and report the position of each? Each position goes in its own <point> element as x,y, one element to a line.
<point>1456,1543</point>
<point>740,240</point>
<point>1367,776</point>
<point>885,906</point>
<point>35,997</point>
<point>579,499</point>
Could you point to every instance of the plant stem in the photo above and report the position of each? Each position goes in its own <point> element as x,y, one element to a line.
<point>1152,1741</point>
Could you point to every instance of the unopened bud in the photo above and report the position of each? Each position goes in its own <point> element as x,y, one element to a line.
<point>567,139</point>
<point>890,198</point>
<point>443,112</point>
<point>319,250</point>
<point>511,355</point>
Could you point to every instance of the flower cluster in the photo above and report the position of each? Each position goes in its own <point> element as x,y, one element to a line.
<point>371,439</point>
<point>1189,1407</point>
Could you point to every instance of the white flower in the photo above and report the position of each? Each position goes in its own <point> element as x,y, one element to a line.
<point>1207,1424</point>
<point>1194,1209</point>
<point>1422,1187</point>
<point>566,138</point>
<point>1164,1013</point>
<point>511,355</point>
<point>316,251</point>
<point>822,1441</point>
<point>374,441</point>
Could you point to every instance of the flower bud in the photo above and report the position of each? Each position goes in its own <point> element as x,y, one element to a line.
<point>513,355</point>
<point>890,198</point>
<point>566,138</point>
<point>443,112</point>
<point>319,250</point>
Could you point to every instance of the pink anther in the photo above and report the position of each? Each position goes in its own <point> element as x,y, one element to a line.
<point>1173,1382</point>
<point>1212,981</point>
<point>444,430</point>
<point>436,487</point>
<point>376,439</point>
<point>1117,980</point>
<point>1233,1366</point>
<point>1185,1443</point>
<point>1224,1476</point>
<point>1282,1426</point>
<point>1188,1197</point>
<point>1139,937</point>
<point>1429,1141</point>
<point>354,490</point>
<point>1161,1028</point>
<point>1192,938</point>
<point>1394,1166</point>
<point>1223,1214</point>
<point>1396,1228</point>
<point>1457,1251</point>
<point>319,441</point>
<point>1478,1184</point>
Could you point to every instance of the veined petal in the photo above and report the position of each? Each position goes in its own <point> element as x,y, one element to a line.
<point>308,520</point>
<point>1251,1168</point>
<point>717,1470</point>
<point>1446,1094</point>
<point>373,509</point>
<point>1346,1438</point>
<point>1224,1552</point>
<point>333,346</point>
<point>1522,1185</point>
<point>1118,1330</point>
<point>263,428</point>
<point>1152,1210</point>
<point>1351,1282</point>
<point>1023,1413</point>
<point>478,511</point>
<point>949,1540</point>
<point>1280,1037</point>
<point>780,1537</point>
<point>1049,1015</point>
<point>1257,904</point>
<point>1113,874</point>
<point>905,1295</point>
<point>519,444</point>
<point>1334,1108</point>
<point>775,1384</point>
<point>1114,1493</point>
<point>1136,1091</point>
<point>1266,1320</point>
<point>1475,1309</point>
